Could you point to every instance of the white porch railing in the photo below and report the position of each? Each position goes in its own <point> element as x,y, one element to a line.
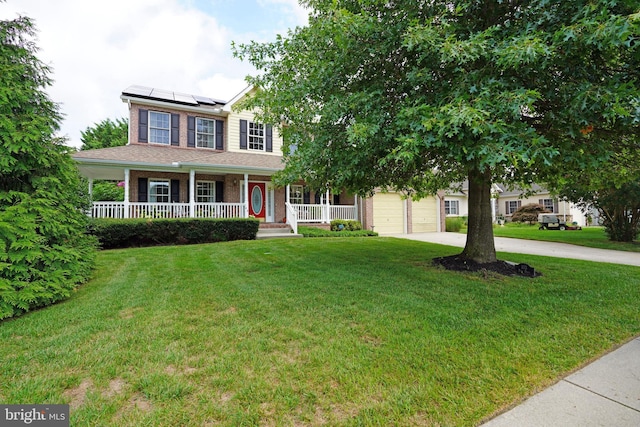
<point>219,210</point>
<point>292,217</point>
<point>166,210</point>
<point>345,212</point>
<point>319,213</point>
<point>295,213</point>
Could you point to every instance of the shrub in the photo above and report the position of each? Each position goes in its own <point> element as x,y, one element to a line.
<point>528,213</point>
<point>123,233</point>
<point>107,191</point>
<point>346,225</point>
<point>321,232</point>
<point>454,224</point>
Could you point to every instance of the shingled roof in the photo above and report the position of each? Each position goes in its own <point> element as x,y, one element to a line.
<point>143,155</point>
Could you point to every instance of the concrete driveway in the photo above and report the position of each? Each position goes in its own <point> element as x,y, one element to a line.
<point>533,247</point>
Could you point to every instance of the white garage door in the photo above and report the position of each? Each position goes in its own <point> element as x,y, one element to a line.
<point>424,215</point>
<point>388,213</point>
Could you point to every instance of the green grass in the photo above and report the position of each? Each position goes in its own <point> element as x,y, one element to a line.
<point>337,331</point>
<point>593,237</point>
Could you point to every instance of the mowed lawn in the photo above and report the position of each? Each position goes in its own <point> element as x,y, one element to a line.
<point>594,237</point>
<point>324,331</point>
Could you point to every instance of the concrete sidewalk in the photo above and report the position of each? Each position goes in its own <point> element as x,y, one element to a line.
<point>533,247</point>
<point>603,393</point>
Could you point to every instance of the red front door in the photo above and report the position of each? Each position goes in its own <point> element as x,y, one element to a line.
<point>257,199</point>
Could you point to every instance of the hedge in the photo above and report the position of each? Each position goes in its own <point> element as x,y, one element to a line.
<point>124,233</point>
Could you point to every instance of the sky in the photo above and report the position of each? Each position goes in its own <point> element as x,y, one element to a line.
<point>98,48</point>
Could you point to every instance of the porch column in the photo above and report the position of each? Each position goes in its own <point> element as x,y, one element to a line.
<point>91,188</point>
<point>192,193</point>
<point>126,193</point>
<point>286,196</point>
<point>246,195</point>
<point>355,209</point>
<point>328,207</point>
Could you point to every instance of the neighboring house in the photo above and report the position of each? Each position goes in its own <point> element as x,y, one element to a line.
<point>505,202</point>
<point>510,200</point>
<point>194,156</point>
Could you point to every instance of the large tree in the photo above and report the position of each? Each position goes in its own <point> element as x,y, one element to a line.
<point>614,190</point>
<point>44,249</point>
<point>107,133</point>
<point>416,95</point>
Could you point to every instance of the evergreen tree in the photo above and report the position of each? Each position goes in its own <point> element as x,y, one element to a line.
<point>44,249</point>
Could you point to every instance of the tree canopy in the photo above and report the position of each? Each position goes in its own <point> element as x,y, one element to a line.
<point>417,95</point>
<point>107,133</point>
<point>44,250</point>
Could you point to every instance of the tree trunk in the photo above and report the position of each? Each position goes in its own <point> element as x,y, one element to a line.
<point>480,246</point>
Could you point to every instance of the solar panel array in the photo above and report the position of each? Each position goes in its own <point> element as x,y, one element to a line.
<point>169,96</point>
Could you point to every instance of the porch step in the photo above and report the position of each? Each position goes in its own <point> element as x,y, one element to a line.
<point>275,231</point>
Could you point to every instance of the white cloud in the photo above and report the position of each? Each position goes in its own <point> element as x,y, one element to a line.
<point>97,49</point>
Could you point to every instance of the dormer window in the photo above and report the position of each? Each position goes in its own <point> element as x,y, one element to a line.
<point>256,136</point>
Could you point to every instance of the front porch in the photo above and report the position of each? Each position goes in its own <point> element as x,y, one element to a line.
<point>296,213</point>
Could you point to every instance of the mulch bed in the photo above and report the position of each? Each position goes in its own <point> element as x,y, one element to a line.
<point>458,263</point>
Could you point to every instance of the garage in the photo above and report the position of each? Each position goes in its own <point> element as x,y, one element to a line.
<point>424,215</point>
<point>389,213</point>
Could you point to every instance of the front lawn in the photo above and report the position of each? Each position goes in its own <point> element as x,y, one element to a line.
<point>593,237</point>
<point>337,331</point>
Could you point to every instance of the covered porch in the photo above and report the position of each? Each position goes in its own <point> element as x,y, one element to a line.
<point>215,187</point>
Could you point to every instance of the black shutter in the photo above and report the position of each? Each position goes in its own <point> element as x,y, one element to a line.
<point>191,131</point>
<point>219,135</point>
<point>556,207</point>
<point>219,191</point>
<point>175,129</point>
<point>143,189</point>
<point>188,190</point>
<point>243,134</point>
<point>175,190</point>
<point>269,138</point>
<point>306,197</point>
<point>316,198</point>
<point>143,125</point>
<point>506,208</point>
<point>336,199</point>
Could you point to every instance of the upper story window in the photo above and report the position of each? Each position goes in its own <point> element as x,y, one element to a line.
<point>159,127</point>
<point>256,136</point>
<point>205,133</point>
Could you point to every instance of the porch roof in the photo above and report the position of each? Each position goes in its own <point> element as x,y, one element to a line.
<point>109,163</point>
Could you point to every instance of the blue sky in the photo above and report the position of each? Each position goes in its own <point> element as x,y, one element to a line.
<point>98,48</point>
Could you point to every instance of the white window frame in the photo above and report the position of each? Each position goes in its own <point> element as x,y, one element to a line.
<point>256,139</point>
<point>549,204</point>
<point>452,207</point>
<point>155,129</point>
<point>211,143</point>
<point>511,209</point>
<point>210,198</point>
<point>153,194</point>
<point>296,194</point>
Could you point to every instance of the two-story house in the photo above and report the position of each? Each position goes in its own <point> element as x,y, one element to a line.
<point>195,156</point>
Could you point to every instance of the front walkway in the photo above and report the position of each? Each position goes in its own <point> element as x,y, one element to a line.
<point>533,247</point>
